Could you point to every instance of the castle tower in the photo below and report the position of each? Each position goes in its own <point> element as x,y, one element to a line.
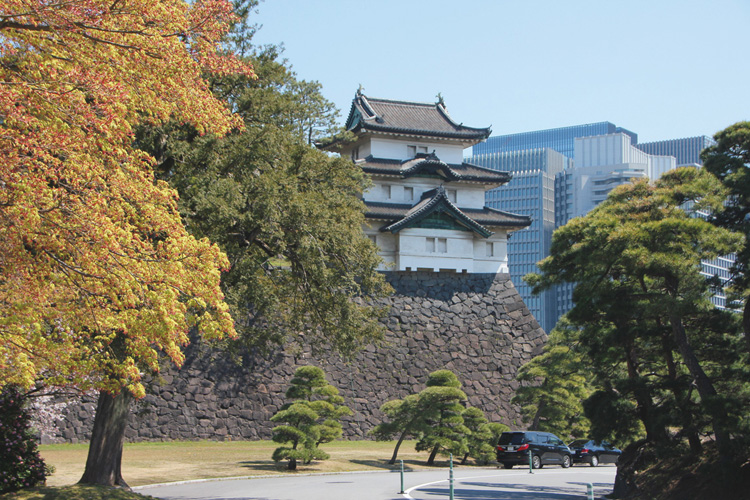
<point>426,209</point>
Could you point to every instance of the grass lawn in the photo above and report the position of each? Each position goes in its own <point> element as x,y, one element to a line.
<point>163,462</point>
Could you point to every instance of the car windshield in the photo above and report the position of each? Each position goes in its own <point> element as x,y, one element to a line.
<point>514,438</point>
<point>578,443</point>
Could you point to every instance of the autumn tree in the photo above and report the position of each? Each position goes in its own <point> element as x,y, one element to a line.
<point>99,276</point>
<point>310,419</point>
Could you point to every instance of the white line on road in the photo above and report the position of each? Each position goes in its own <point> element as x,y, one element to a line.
<point>407,493</point>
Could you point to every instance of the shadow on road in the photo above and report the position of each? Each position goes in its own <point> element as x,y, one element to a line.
<point>409,465</point>
<point>264,465</point>
<point>509,491</point>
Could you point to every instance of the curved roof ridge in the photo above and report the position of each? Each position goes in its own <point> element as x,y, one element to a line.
<point>444,111</point>
<point>414,165</point>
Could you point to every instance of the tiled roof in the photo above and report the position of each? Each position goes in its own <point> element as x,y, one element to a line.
<point>478,220</point>
<point>431,164</point>
<point>414,118</point>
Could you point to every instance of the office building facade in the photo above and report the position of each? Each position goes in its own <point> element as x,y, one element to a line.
<point>530,192</point>
<point>686,151</point>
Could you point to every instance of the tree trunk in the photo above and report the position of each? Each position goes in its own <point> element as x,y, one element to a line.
<point>292,464</point>
<point>746,322</point>
<point>540,408</point>
<point>644,404</point>
<point>705,387</point>
<point>104,462</point>
<point>434,453</point>
<point>398,445</point>
<point>682,398</point>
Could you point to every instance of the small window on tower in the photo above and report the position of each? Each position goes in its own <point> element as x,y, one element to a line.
<point>436,245</point>
<point>451,193</point>
<point>442,244</point>
<point>490,249</point>
<point>408,193</point>
<point>411,151</point>
<point>386,191</point>
<point>430,245</point>
<point>422,149</point>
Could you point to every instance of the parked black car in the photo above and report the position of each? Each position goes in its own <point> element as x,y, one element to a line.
<point>593,453</point>
<point>546,448</point>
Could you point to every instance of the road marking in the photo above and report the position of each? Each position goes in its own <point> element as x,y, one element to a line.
<point>407,493</point>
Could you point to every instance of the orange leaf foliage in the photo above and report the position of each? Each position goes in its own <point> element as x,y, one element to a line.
<point>97,272</point>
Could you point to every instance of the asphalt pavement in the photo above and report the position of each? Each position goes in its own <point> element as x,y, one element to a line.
<point>550,483</point>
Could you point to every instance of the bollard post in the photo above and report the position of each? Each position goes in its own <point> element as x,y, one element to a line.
<point>451,477</point>
<point>590,491</point>
<point>531,463</point>
<point>402,477</point>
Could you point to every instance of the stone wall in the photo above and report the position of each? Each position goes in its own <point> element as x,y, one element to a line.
<point>473,324</point>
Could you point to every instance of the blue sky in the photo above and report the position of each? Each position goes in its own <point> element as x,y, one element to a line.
<point>664,69</point>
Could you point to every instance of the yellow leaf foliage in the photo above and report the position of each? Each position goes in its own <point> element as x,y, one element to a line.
<point>97,273</point>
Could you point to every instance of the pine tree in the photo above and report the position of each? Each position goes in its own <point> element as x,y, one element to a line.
<point>310,419</point>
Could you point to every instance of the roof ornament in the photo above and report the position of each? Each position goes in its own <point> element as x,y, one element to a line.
<point>360,90</point>
<point>440,99</point>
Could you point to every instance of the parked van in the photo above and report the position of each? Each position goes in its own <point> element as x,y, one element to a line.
<point>545,449</point>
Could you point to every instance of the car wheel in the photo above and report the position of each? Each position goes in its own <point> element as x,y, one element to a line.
<point>536,462</point>
<point>508,466</point>
<point>594,461</point>
<point>566,461</point>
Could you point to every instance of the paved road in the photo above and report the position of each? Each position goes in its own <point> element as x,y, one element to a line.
<point>550,483</point>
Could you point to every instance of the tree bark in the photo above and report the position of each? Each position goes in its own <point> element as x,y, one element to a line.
<point>104,462</point>
<point>644,404</point>
<point>541,407</point>
<point>705,386</point>
<point>433,454</point>
<point>398,445</point>
<point>682,398</point>
<point>746,322</point>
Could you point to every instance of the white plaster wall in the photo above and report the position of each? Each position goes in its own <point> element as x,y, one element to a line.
<point>498,263</point>
<point>414,255</point>
<point>364,150</point>
<point>397,149</point>
<point>471,197</point>
<point>466,196</point>
<point>387,247</point>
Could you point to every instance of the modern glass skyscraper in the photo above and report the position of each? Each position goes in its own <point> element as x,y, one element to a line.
<point>530,192</point>
<point>561,139</point>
